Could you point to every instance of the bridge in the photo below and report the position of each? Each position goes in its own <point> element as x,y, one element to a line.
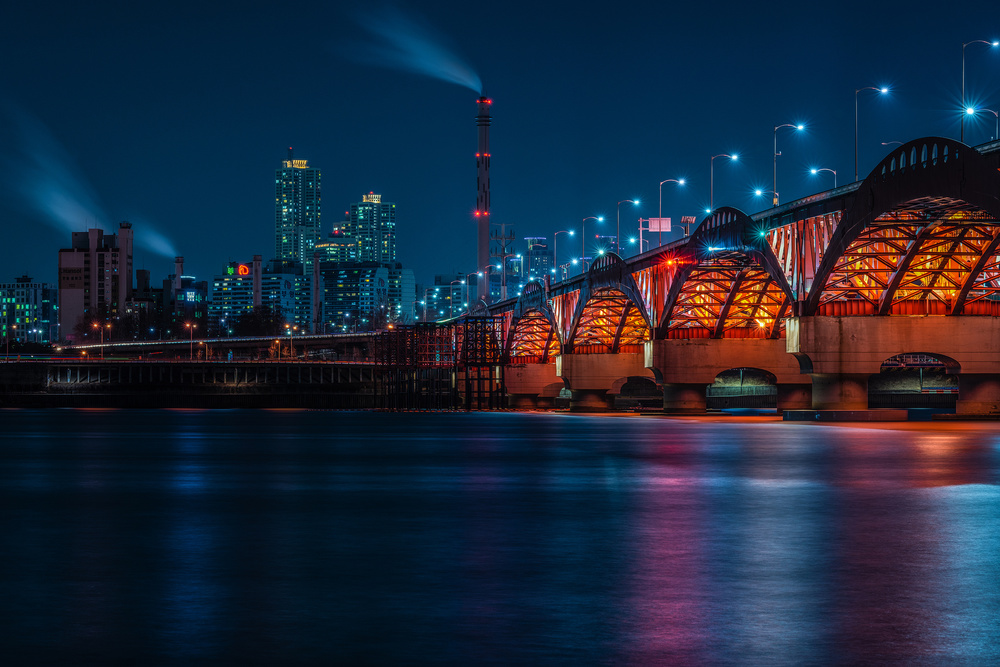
<point>812,299</point>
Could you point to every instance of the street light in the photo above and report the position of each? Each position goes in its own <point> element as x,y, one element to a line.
<point>618,233</point>
<point>98,326</point>
<point>468,296</point>
<point>290,330</point>
<point>711,192</point>
<point>555,244</point>
<point>774,186</point>
<point>972,112</point>
<point>815,171</point>
<point>451,296</point>
<point>678,181</point>
<point>14,327</point>
<point>583,239</point>
<point>192,327</point>
<point>975,41</point>
<point>882,91</point>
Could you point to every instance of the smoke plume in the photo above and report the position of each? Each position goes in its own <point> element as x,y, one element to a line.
<point>403,41</point>
<point>42,176</point>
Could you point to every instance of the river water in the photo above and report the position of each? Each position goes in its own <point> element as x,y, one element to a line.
<point>298,537</point>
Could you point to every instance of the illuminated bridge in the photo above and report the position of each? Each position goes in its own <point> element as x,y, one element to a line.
<point>886,287</point>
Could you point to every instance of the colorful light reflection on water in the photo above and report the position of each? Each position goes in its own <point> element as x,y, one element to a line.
<point>165,537</point>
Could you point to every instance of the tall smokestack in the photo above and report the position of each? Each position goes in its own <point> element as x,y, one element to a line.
<point>483,119</point>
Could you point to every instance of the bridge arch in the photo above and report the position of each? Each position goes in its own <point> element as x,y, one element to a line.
<point>920,236</point>
<point>915,380</point>
<point>730,283</point>
<point>533,334</point>
<point>610,315</point>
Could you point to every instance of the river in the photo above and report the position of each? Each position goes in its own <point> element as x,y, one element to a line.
<point>312,537</point>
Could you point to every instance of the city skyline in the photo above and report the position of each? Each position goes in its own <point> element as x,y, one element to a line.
<point>588,111</point>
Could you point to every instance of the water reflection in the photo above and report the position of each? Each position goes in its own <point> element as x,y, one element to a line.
<point>253,536</point>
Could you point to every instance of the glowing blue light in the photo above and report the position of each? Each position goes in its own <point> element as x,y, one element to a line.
<point>970,111</point>
<point>681,181</point>
<point>883,90</point>
<point>813,171</point>
<point>800,127</point>
<point>758,192</point>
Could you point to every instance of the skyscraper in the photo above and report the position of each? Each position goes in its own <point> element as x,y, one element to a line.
<point>372,227</point>
<point>297,205</point>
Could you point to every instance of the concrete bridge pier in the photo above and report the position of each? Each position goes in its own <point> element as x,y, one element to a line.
<point>978,393</point>
<point>686,398</point>
<point>794,397</point>
<point>840,391</point>
<point>591,377</point>
<point>532,386</point>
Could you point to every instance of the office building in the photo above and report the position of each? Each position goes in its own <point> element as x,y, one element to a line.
<point>355,296</point>
<point>297,208</point>
<point>242,286</point>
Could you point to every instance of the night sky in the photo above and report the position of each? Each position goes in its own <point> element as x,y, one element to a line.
<point>175,115</point>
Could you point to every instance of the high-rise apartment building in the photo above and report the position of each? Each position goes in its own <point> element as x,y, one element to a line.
<point>538,259</point>
<point>297,205</point>
<point>95,276</point>
<point>372,227</point>
<point>28,311</point>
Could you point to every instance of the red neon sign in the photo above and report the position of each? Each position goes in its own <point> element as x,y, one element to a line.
<point>243,270</point>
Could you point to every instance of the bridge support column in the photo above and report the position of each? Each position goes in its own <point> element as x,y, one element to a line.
<point>685,398</point>
<point>840,391</point>
<point>794,397</point>
<point>978,394</point>
<point>591,400</point>
<point>591,376</point>
<point>532,386</point>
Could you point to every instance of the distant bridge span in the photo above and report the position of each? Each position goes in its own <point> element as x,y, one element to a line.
<point>818,293</point>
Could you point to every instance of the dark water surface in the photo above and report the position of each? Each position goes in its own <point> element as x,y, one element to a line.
<point>259,537</point>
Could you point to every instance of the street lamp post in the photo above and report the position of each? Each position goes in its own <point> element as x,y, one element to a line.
<point>291,339</point>
<point>971,111</point>
<point>711,186</point>
<point>881,91</point>
<point>583,240</point>
<point>468,295</point>
<point>975,41</point>
<point>774,186</point>
<point>98,326</point>
<point>451,297</point>
<point>14,328</point>
<point>817,170</point>
<point>555,245</point>
<point>618,233</point>
<point>678,181</point>
<point>191,328</point>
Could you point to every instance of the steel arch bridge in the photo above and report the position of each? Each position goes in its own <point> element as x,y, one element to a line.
<point>919,235</point>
